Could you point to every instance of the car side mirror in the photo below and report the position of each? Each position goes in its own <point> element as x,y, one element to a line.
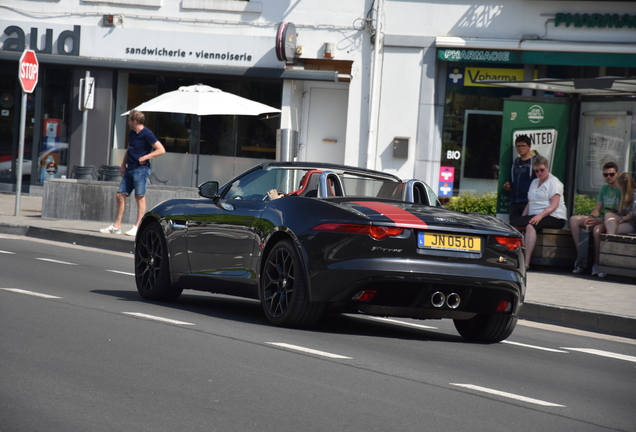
<point>209,189</point>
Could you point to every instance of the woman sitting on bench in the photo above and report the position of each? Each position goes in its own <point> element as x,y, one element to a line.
<point>619,222</point>
<point>545,209</point>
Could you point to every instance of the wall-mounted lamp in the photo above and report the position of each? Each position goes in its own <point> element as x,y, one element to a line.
<point>330,50</point>
<point>108,21</point>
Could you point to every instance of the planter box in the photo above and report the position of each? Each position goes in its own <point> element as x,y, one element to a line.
<point>554,248</point>
<point>618,255</point>
<point>96,201</point>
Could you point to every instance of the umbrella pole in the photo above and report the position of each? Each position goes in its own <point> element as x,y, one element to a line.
<point>198,138</point>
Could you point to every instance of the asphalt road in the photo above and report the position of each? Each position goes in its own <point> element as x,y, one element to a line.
<point>80,351</point>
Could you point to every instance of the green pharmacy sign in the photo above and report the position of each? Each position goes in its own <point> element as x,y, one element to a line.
<point>595,20</point>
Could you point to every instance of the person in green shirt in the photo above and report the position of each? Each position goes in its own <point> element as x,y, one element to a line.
<point>609,197</point>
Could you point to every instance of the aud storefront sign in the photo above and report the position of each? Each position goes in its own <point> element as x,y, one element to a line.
<point>140,45</point>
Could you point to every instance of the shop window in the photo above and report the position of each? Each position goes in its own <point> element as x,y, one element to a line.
<point>471,143</point>
<point>52,160</point>
<point>235,136</point>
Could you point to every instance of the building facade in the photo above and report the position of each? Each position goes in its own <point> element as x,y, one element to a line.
<point>392,85</point>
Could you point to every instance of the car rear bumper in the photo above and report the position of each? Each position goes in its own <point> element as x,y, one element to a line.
<point>404,287</point>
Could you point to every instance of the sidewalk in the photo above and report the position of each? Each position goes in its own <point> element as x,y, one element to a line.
<point>580,301</point>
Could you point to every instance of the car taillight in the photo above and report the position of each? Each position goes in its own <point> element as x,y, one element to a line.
<point>375,231</point>
<point>504,306</point>
<point>511,243</point>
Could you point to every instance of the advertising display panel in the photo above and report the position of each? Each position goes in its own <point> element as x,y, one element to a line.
<point>546,122</point>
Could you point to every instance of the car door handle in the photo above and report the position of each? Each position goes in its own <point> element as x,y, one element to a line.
<point>178,226</point>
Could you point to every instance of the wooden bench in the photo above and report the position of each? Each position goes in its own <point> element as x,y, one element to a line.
<point>554,247</point>
<point>618,255</point>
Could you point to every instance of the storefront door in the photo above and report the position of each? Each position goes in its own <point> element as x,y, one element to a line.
<point>326,120</point>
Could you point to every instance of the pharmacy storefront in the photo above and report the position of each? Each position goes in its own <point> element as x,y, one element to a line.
<point>593,124</point>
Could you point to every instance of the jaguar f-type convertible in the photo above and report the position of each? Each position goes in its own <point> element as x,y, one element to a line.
<point>305,238</point>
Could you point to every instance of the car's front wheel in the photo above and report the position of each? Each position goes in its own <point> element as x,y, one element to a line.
<point>152,273</point>
<point>284,294</point>
<point>486,328</point>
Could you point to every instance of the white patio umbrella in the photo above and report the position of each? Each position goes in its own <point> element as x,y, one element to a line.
<point>202,100</point>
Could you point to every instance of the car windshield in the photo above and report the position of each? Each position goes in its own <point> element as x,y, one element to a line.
<point>304,182</point>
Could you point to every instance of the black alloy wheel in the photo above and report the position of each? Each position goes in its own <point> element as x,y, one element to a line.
<point>152,273</point>
<point>284,295</point>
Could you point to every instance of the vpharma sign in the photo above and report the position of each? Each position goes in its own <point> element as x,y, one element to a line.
<point>470,76</point>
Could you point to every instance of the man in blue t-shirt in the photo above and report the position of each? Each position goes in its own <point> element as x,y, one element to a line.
<point>135,170</point>
<point>521,175</point>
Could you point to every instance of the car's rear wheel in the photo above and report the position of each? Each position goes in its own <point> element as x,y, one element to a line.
<point>486,328</point>
<point>152,273</point>
<point>284,295</point>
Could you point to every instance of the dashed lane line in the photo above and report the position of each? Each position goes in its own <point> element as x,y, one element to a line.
<point>56,261</point>
<point>507,395</point>
<point>7,252</point>
<point>156,318</point>
<point>534,347</point>
<point>604,354</point>
<point>308,350</point>
<point>31,293</point>
<point>393,321</point>
<point>121,272</point>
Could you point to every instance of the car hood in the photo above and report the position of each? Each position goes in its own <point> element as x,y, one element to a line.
<point>424,217</point>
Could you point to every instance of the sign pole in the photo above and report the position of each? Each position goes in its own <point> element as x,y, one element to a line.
<point>28,71</point>
<point>18,183</point>
<point>86,102</point>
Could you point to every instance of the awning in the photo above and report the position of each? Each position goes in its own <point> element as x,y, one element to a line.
<point>603,86</point>
<point>251,72</point>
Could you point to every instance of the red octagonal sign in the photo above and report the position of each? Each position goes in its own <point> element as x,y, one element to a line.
<point>28,71</point>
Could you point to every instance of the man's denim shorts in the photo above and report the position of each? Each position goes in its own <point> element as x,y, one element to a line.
<point>136,179</point>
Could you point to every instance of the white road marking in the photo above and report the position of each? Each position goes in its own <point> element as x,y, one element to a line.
<point>307,350</point>
<point>534,347</point>
<point>121,272</point>
<point>31,293</point>
<point>604,354</point>
<point>7,252</point>
<point>56,261</point>
<point>570,331</point>
<point>508,395</point>
<point>156,318</point>
<point>389,320</point>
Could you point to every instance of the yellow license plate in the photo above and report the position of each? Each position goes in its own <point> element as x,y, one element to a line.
<point>452,242</point>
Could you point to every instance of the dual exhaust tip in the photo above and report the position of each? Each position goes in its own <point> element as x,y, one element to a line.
<point>439,299</point>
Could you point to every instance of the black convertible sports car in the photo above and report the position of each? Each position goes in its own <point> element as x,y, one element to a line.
<point>304,238</point>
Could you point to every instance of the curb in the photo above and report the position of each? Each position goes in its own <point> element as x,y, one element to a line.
<point>598,322</point>
<point>109,243</point>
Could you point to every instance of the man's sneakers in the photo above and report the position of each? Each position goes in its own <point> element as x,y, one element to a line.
<point>596,273</point>
<point>110,230</point>
<point>578,270</point>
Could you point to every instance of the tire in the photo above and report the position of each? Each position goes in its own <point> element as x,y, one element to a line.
<point>284,295</point>
<point>152,266</point>
<point>486,328</point>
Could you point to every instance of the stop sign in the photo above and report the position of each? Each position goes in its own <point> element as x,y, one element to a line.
<point>28,71</point>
